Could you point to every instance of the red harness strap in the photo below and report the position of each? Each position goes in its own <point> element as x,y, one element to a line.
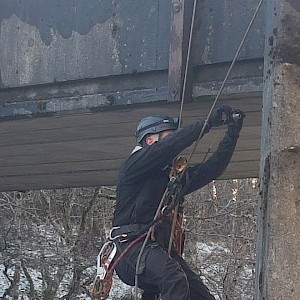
<point>103,283</point>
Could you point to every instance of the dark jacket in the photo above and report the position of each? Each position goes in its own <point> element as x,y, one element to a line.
<point>144,175</point>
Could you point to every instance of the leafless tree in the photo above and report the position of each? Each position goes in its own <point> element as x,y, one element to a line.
<point>50,239</point>
<point>55,233</point>
<point>221,219</point>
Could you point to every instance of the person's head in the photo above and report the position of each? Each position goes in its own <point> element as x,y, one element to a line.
<point>154,128</point>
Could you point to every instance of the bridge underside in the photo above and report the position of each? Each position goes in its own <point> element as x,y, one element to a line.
<point>76,79</point>
<point>57,149</point>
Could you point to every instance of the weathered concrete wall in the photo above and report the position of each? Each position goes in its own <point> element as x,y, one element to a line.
<point>220,26</point>
<point>278,249</point>
<point>51,41</point>
<point>58,56</point>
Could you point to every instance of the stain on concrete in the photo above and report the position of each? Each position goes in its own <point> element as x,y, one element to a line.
<point>1,82</point>
<point>295,4</point>
<point>31,61</point>
<point>220,28</point>
<point>289,43</point>
<point>79,33</point>
<point>60,16</point>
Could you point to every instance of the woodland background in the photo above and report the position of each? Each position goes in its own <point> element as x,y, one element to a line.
<point>49,240</point>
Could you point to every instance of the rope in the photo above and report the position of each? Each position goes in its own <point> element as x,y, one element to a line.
<point>187,63</point>
<point>146,241</point>
<point>204,126</point>
<point>174,220</point>
<point>182,103</point>
<point>225,79</point>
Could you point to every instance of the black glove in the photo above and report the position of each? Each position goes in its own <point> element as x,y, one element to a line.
<point>235,123</point>
<point>220,116</point>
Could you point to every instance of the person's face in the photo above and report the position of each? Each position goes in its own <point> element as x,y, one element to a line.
<point>165,133</point>
<point>151,139</point>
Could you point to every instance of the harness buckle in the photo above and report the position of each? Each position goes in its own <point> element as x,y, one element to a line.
<point>112,238</point>
<point>103,281</point>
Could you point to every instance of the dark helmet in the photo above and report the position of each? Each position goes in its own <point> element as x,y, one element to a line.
<point>155,124</point>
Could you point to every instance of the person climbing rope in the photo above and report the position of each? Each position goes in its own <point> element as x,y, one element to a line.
<point>143,179</point>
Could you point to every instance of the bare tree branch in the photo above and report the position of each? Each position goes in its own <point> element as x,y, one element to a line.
<point>32,292</point>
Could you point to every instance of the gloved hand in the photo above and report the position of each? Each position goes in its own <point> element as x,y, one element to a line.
<point>220,116</point>
<point>235,126</point>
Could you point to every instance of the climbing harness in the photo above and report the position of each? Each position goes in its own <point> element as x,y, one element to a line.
<point>168,203</point>
<point>107,260</point>
<point>177,235</point>
<point>103,281</point>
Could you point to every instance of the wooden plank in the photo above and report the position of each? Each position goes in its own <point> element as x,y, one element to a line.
<point>95,178</point>
<point>61,168</point>
<point>104,132</point>
<point>250,136</point>
<point>50,181</point>
<point>58,148</point>
<point>57,167</point>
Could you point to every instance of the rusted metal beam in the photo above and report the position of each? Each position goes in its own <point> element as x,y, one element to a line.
<point>180,31</point>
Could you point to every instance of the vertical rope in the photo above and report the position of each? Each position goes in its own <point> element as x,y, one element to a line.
<point>208,116</point>
<point>226,78</point>
<point>187,63</point>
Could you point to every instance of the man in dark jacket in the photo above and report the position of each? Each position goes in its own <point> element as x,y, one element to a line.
<point>142,182</point>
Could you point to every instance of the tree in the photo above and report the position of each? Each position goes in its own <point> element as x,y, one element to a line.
<point>50,239</point>
<point>221,219</point>
<point>52,236</point>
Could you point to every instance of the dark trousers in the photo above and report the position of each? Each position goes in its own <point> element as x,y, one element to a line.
<point>161,274</point>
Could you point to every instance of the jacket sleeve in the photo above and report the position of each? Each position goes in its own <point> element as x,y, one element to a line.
<point>201,174</point>
<point>150,160</point>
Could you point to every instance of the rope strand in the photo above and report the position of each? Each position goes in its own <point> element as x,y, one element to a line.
<point>205,123</point>
<point>225,79</point>
<point>187,63</point>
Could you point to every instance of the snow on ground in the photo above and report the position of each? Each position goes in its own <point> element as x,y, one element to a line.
<point>118,289</point>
